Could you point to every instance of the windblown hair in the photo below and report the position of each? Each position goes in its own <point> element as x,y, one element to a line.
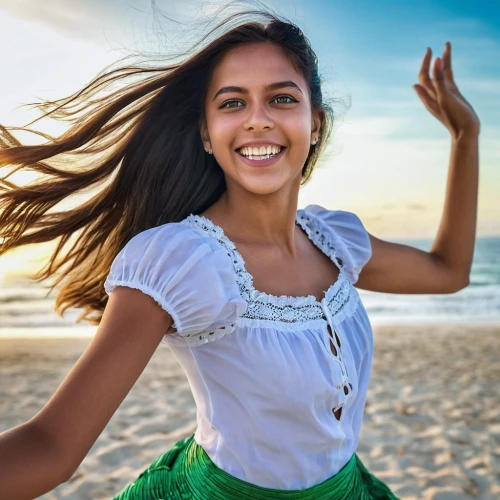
<point>141,144</point>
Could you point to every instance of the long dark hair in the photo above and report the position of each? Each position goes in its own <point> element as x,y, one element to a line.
<point>141,143</point>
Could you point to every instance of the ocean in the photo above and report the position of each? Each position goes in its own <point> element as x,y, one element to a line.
<point>26,312</point>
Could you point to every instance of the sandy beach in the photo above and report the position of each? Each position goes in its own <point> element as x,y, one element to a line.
<point>431,428</point>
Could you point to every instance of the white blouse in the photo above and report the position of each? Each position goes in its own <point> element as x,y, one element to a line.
<point>262,369</point>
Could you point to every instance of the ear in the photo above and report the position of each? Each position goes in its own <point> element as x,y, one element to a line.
<point>204,131</point>
<point>318,118</point>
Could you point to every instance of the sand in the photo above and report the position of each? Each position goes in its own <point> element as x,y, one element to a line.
<point>431,428</point>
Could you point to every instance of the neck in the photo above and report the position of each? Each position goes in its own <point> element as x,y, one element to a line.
<point>259,221</point>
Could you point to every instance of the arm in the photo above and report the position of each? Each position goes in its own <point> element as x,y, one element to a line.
<point>27,452</point>
<point>446,267</point>
<point>395,268</point>
<point>49,448</point>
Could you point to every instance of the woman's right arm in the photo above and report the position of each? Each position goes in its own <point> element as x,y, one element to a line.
<point>44,452</point>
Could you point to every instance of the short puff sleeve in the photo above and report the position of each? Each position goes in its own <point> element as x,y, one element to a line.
<point>189,276</point>
<point>348,236</point>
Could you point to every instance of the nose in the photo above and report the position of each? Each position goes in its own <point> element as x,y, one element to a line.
<point>258,118</point>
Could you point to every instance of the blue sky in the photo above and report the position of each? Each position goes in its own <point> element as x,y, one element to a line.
<point>388,157</point>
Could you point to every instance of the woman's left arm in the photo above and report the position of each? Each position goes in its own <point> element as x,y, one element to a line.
<point>396,268</point>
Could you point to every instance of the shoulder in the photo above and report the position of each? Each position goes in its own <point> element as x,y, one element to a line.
<point>170,242</point>
<point>346,233</point>
<point>172,233</point>
<point>162,255</point>
<point>187,273</point>
<point>334,218</point>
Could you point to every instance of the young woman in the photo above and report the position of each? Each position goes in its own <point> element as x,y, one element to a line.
<point>196,241</point>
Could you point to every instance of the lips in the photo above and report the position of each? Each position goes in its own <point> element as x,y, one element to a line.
<point>262,163</point>
<point>282,148</point>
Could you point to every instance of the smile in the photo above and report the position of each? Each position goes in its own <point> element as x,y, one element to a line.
<point>262,160</point>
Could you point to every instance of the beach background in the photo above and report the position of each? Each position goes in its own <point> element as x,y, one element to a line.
<point>26,311</point>
<point>431,428</point>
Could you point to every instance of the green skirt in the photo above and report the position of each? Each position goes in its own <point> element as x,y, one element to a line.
<point>187,472</point>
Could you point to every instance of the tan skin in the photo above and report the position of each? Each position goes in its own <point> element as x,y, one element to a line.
<point>258,215</point>
<point>258,210</point>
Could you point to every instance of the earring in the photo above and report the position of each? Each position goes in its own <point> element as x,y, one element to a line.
<point>314,142</point>
<point>209,151</point>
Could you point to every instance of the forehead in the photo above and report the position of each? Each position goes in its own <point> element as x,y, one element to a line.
<point>253,66</point>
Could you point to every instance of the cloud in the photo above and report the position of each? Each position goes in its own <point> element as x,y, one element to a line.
<point>77,19</point>
<point>93,21</point>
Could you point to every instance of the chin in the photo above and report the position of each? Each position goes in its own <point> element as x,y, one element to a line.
<point>264,190</point>
<point>265,185</point>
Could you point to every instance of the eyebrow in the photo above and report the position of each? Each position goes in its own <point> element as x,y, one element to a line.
<point>271,86</point>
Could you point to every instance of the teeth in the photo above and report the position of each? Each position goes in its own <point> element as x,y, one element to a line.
<point>261,150</point>
<point>260,157</point>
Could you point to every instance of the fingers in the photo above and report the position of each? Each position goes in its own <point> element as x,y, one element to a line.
<point>441,70</point>
<point>429,101</point>
<point>437,71</point>
<point>423,75</point>
<point>448,73</point>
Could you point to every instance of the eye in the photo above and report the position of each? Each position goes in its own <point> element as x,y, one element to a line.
<point>292,100</point>
<point>285,97</point>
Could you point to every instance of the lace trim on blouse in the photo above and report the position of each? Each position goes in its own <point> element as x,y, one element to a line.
<point>282,313</point>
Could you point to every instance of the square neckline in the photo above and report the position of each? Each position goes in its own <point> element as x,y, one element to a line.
<point>311,226</point>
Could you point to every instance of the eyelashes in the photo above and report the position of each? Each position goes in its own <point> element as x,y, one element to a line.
<point>225,105</point>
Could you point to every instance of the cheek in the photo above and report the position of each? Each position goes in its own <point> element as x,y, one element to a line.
<point>224,129</point>
<point>298,127</point>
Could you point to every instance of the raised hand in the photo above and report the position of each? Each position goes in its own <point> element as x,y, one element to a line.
<point>442,98</point>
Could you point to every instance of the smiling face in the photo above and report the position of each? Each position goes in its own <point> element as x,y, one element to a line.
<point>253,113</point>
